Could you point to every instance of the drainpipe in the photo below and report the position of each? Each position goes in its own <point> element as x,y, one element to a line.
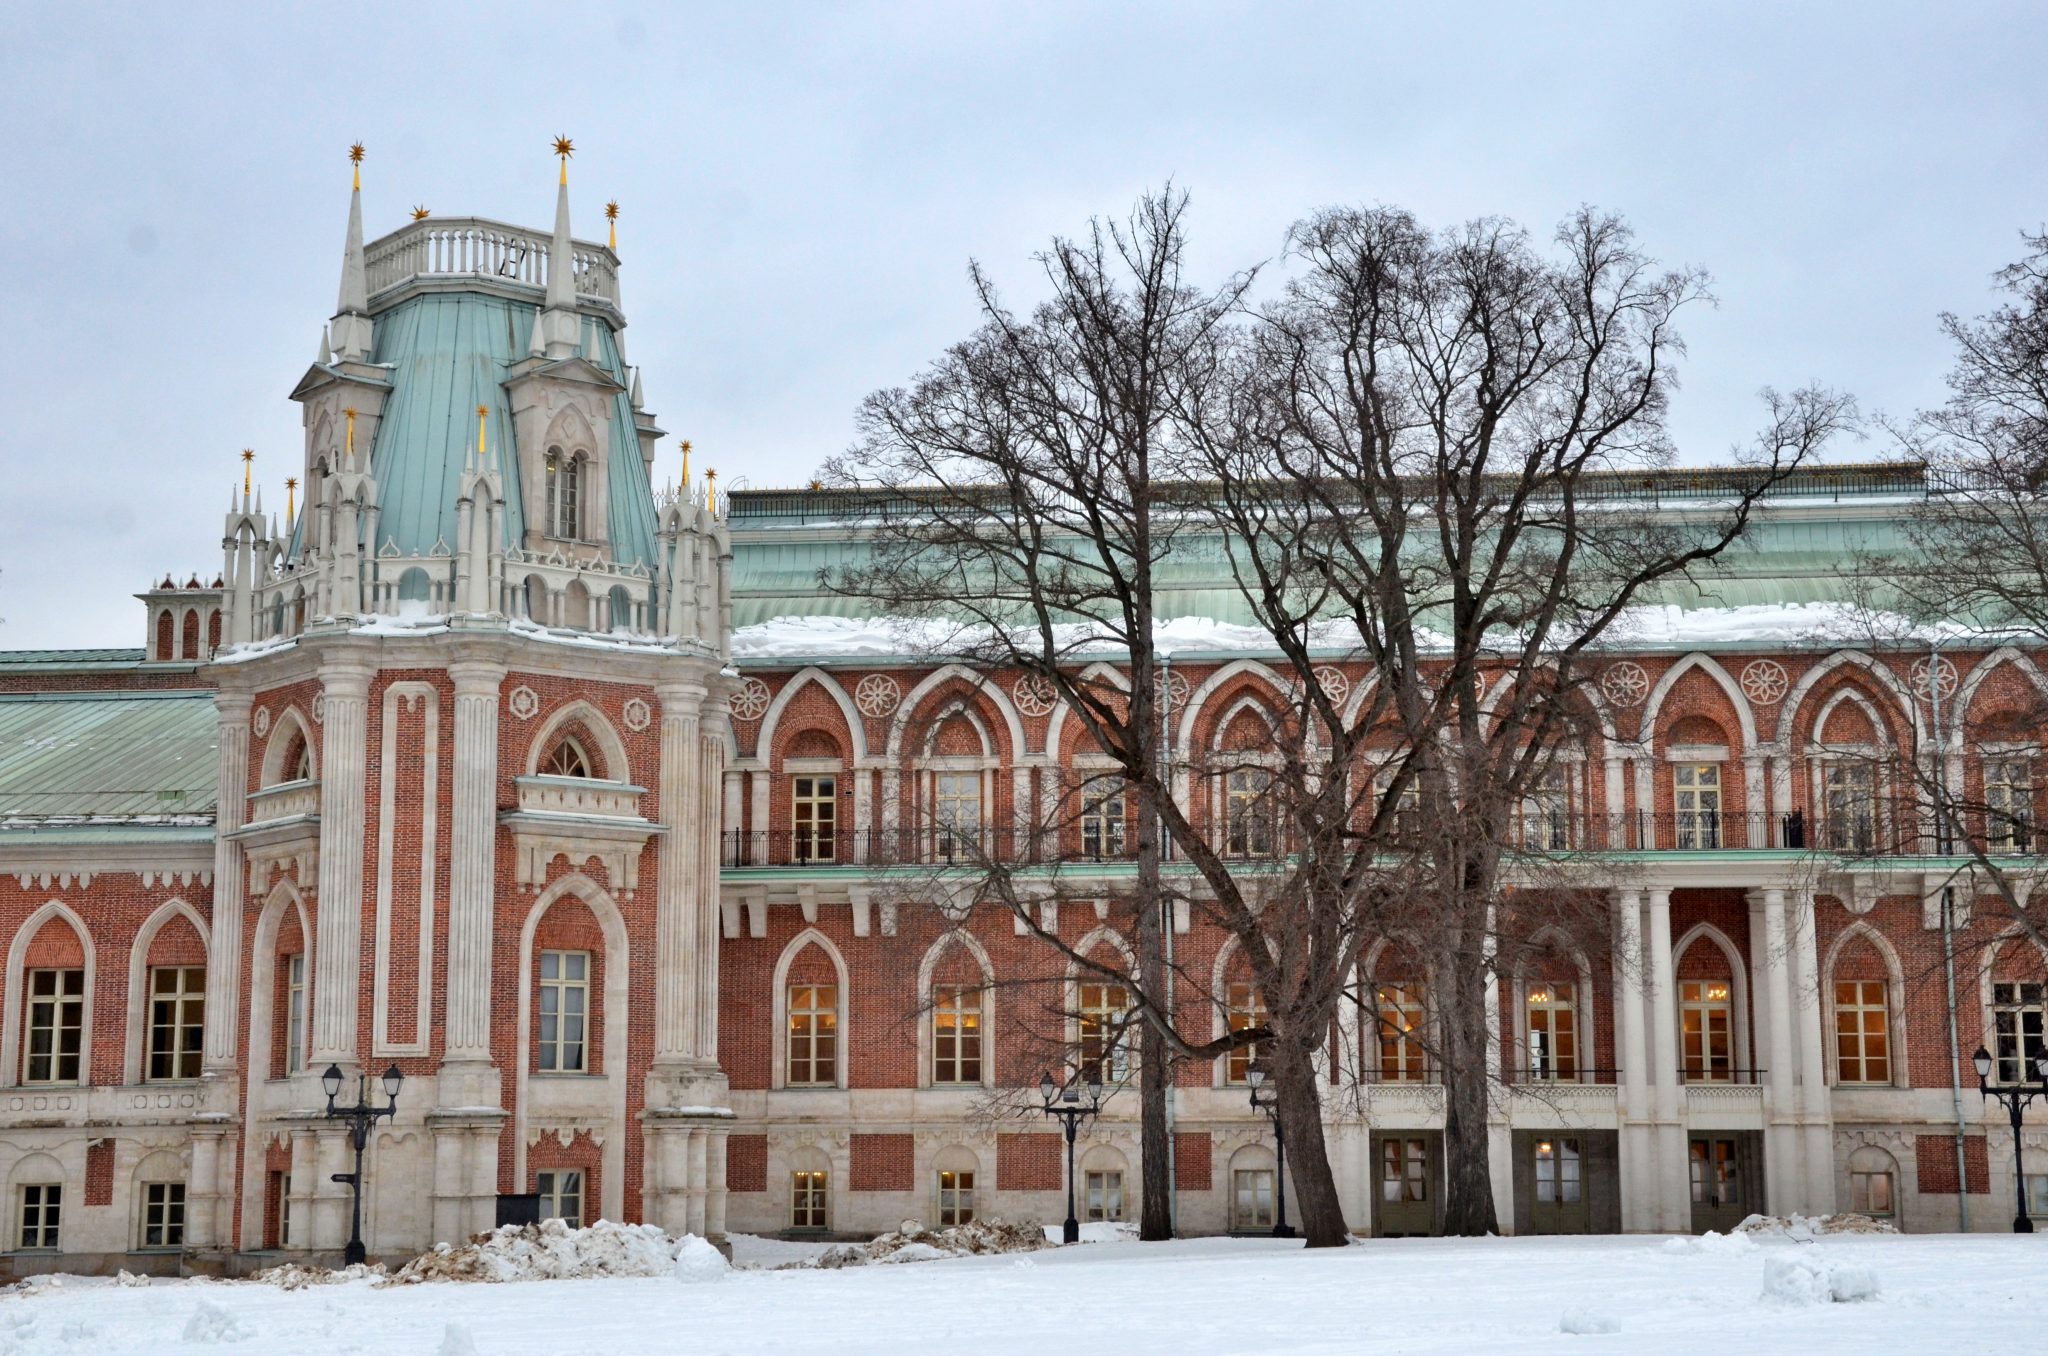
<point>1942,844</point>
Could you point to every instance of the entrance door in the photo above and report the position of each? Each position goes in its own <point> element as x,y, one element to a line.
<point>1558,1204</point>
<point>1724,1181</point>
<point>1408,1183</point>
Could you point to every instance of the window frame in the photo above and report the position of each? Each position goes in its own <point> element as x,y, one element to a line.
<point>814,1025</point>
<point>1243,1008</point>
<point>2008,803</point>
<point>295,1013</point>
<point>1262,1182</point>
<point>1099,1188</point>
<point>161,1209</point>
<point>2008,1069</point>
<point>1698,1007</point>
<point>1543,996</point>
<point>48,1208</point>
<point>1697,806</point>
<point>1863,1035</point>
<point>1104,815</point>
<point>187,1029</point>
<point>1396,1037</point>
<point>551,1053</point>
<point>56,1005</point>
<point>1099,1022</point>
<point>550,1184</point>
<point>964,1004</point>
<point>814,817</point>
<point>1250,826</point>
<point>955,1196</point>
<point>810,1200</point>
<point>957,817</point>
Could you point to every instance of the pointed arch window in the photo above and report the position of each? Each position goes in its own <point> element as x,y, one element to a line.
<point>564,494</point>
<point>1553,1031</point>
<point>566,759</point>
<point>298,761</point>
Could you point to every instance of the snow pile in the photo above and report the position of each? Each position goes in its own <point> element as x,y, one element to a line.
<point>697,1261</point>
<point>297,1275</point>
<point>1811,1277</point>
<point>915,1243</point>
<point>1587,1322</point>
<point>1096,1231</point>
<point>553,1251</point>
<point>1806,1228</point>
<point>129,1278</point>
<point>211,1323</point>
<point>456,1341</point>
<point>1713,1244</point>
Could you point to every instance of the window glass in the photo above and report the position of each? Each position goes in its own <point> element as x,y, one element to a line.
<point>561,1196</point>
<point>1862,1032</point>
<point>177,1021</point>
<point>813,1035</point>
<point>956,1198</point>
<point>807,1197</point>
<point>814,819</point>
<point>1400,1032</point>
<point>2009,804</point>
<point>1696,799</point>
<point>1705,1030</point>
<point>1851,791</point>
<point>1249,813</point>
<point>1553,1030</point>
<point>1102,820</point>
<point>163,1215</point>
<point>956,1034</point>
<point>295,1013</point>
<point>56,1024</point>
<point>1246,1009</point>
<point>1105,1044</point>
<point>1104,1195</point>
<point>2019,1016</point>
<point>1251,1198</point>
<point>564,1011</point>
<point>42,1209</point>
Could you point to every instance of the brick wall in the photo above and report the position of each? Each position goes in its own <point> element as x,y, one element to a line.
<point>1935,1156</point>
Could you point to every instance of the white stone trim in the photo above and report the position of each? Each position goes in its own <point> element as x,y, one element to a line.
<point>778,1058</point>
<point>133,1040</point>
<point>17,956</point>
<point>429,804</point>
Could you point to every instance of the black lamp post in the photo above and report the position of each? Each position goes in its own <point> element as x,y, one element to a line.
<point>360,1118</point>
<point>2015,1098</point>
<point>1065,1103</point>
<point>1267,1100</point>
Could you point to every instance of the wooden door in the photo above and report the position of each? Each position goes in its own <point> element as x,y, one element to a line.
<point>1558,1202</point>
<point>1409,1182</point>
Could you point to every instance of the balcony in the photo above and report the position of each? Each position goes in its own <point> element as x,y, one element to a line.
<point>811,848</point>
<point>476,250</point>
<point>282,831</point>
<point>578,818</point>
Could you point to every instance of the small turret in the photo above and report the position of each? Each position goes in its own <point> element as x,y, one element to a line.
<point>349,336</point>
<point>559,331</point>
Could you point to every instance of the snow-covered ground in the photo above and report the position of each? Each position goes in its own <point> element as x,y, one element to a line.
<point>1935,1294</point>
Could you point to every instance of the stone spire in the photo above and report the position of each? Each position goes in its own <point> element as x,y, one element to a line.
<point>350,333</point>
<point>561,332</point>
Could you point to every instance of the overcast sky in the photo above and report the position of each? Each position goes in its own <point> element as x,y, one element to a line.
<point>803,185</point>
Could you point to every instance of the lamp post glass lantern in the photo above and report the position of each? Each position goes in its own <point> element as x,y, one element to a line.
<point>1063,1102</point>
<point>360,1118</point>
<point>2015,1098</point>
<point>1266,1099</point>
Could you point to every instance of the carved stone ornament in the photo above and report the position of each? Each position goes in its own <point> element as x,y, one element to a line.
<point>1034,694</point>
<point>1933,675</point>
<point>1334,684</point>
<point>260,721</point>
<point>877,695</point>
<point>751,701</point>
<point>319,707</point>
<point>1171,687</point>
<point>637,715</point>
<point>1625,683</point>
<point>523,703</point>
<point>1765,681</point>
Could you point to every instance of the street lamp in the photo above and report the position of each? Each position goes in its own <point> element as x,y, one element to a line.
<point>1065,1103</point>
<point>2015,1098</point>
<point>360,1118</point>
<point>1267,1100</point>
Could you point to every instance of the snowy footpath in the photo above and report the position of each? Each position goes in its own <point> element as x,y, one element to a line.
<point>1725,1296</point>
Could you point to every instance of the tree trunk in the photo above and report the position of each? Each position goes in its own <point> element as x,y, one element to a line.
<point>1308,1158</point>
<point>1468,1167</point>
<point>1155,1071</point>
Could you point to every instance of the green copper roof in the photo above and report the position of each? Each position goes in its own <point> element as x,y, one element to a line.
<point>106,756</point>
<point>448,352</point>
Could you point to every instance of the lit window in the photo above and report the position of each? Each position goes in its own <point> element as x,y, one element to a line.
<point>1248,813</point>
<point>813,1035</point>
<point>1705,1017</point>
<point>566,759</point>
<point>295,1013</point>
<point>1400,1010</point>
<point>1696,796</point>
<point>42,1209</point>
<point>1104,1191</point>
<point>956,1034</point>
<point>163,1215</point>
<point>956,812</point>
<point>564,1010</point>
<point>807,1197</point>
<point>1851,805</point>
<point>1553,1031</point>
<point>1863,1040</point>
<point>56,1016</point>
<point>956,1197</point>
<point>1251,1198</point>
<point>2019,1015</point>
<point>1404,1170</point>
<point>177,1020</point>
<point>2009,804</point>
<point>1102,820</point>
<point>561,1196</point>
<point>1557,1171</point>
<point>1546,817</point>
<point>1246,1010</point>
<point>1870,1193</point>
<point>814,818</point>
<point>1103,1010</point>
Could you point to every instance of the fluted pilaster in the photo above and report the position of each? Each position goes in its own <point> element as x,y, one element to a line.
<point>224,973</point>
<point>710,778</point>
<point>338,931</point>
<point>684,802</point>
<point>473,858</point>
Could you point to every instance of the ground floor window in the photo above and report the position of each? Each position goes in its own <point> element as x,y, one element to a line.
<point>2037,1194</point>
<point>42,1208</point>
<point>561,1196</point>
<point>1870,1193</point>
<point>1404,1170</point>
<point>163,1215</point>
<point>1251,1198</point>
<point>956,1197</point>
<point>1716,1173</point>
<point>807,1195</point>
<point>281,1192</point>
<point>1557,1171</point>
<point>1105,1192</point>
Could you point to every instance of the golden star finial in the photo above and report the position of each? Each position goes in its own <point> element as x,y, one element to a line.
<point>420,213</point>
<point>355,158</point>
<point>611,214</point>
<point>564,147</point>
<point>248,456</point>
<point>291,490</point>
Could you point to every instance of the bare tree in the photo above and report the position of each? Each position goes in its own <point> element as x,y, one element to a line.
<point>1019,482</point>
<point>1429,456</point>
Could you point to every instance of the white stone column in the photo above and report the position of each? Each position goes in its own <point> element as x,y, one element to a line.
<point>1782,1150</point>
<point>685,802</point>
<point>472,866</point>
<point>1817,1127</point>
<point>1638,1146</point>
<point>338,929</point>
<point>224,940</point>
<point>1673,1189</point>
<point>711,749</point>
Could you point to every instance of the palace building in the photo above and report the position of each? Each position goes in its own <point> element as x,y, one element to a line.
<point>579,805</point>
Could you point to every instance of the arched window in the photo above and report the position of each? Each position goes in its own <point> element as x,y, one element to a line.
<point>1706,1030</point>
<point>298,762</point>
<point>1553,1030</point>
<point>564,494</point>
<point>566,759</point>
<point>1873,1182</point>
<point>1399,1014</point>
